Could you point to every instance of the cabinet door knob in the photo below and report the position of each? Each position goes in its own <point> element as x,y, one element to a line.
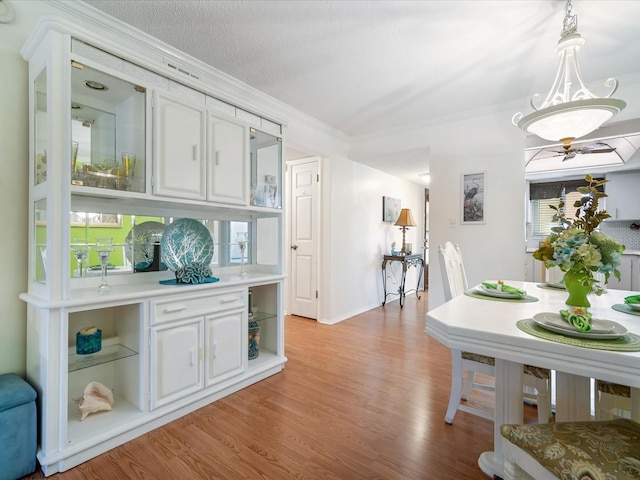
<point>195,152</point>
<point>294,247</point>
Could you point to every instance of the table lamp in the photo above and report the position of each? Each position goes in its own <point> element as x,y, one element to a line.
<point>404,221</point>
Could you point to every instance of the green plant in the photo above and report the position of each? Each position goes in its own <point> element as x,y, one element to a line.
<point>577,245</point>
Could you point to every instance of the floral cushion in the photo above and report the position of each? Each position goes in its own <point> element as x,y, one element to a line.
<point>538,372</point>
<point>606,450</point>
<point>476,357</point>
<point>614,389</point>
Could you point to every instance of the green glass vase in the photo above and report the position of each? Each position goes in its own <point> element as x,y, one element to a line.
<point>578,284</point>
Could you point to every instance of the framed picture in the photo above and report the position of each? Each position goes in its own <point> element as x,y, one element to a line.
<point>473,198</point>
<point>390,209</point>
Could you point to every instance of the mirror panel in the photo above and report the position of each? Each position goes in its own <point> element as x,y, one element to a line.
<point>137,241</point>
<point>40,129</point>
<point>108,131</point>
<point>266,169</point>
<point>40,241</point>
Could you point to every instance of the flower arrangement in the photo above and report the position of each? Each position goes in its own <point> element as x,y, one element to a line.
<point>576,246</point>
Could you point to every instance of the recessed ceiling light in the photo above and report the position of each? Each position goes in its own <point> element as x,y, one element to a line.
<point>95,85</point>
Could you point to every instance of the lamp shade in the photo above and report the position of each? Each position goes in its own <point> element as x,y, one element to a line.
<point>405,219</point>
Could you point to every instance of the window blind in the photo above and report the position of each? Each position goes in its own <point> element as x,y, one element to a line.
<point>540,191</point>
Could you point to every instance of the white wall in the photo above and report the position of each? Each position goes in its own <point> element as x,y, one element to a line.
<point>14,153</point>
<point>485,142</point>
<point>358,237</point>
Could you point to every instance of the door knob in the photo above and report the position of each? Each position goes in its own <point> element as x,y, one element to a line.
<point>294,247</point>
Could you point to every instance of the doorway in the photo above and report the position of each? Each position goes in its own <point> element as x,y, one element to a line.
<point>304,222</point>
<point>426,240</point>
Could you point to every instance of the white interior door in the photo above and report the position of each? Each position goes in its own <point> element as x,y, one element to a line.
<point>304,239</point>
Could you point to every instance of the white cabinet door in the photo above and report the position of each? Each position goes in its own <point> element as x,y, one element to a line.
<point>635,273</point>
<point>227,161</point>
<point>176,369</point>
<point>226,349</point>
<point>625,275</point>
<point>622,189</point>
<point>179,146</point>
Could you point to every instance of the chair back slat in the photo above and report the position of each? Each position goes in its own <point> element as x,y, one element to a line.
<point>454,278</point>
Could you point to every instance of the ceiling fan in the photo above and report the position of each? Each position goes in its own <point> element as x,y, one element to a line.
<point>568,152</point>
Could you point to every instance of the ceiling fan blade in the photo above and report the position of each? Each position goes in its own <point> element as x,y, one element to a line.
<point>597,147</point>
<point>599,150</point>
<point>569,156</point>
<point>536,157</point>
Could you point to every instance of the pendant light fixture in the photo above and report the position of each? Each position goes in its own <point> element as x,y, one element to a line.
<point>565,115</point>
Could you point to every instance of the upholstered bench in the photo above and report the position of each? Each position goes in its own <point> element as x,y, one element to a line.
<point>596,450</point>
<point>17,427</point>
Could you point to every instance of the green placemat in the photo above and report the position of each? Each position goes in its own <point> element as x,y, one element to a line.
<point>551,287</point>
<point>525,299</point>
<point>621,307</point>
<point>629,343</point>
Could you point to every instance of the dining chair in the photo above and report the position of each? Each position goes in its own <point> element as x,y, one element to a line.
<point>612,400</point>
<point>548,451</point>
<point>466,365</point>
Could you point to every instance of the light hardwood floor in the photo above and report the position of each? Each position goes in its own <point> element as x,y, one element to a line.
<point>363,399</point>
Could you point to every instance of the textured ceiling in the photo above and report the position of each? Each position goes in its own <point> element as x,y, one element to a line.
<point>369,66</point>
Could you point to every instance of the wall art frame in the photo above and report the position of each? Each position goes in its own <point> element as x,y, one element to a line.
<point>390,209</point>
<point>473,198</point>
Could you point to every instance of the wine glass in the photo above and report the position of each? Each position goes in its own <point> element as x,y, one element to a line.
<point>104,247</point>
<point>80,253</point>
<point>241,239</point>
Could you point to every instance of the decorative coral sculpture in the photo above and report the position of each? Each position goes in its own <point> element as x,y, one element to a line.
<point>194,273</point>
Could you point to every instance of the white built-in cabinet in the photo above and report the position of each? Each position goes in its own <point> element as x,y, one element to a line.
<point>194,336</point>
<point>225,347</point>
<point>199,155</point>
<point>179,137</point>
<point>227,161</point>
<point>153,143</point>
<point>176,368</point>
<point>629,279</point>
<point>622,193</point>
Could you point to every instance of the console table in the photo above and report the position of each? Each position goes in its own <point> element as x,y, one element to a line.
<point>407,262</point>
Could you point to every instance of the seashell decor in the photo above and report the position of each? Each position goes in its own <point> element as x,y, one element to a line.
<point>96,398</point>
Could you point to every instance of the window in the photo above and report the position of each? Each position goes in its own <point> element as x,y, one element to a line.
<point>543,196</point>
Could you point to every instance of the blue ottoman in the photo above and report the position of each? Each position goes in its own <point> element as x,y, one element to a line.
<point>17,427</point>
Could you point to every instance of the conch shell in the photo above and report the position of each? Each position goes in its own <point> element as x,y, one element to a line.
<point>96,398</point>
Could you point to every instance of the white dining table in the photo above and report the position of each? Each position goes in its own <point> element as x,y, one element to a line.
<point>488,327</point>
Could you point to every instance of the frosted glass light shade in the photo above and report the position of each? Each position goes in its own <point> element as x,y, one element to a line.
<point>571,120</point>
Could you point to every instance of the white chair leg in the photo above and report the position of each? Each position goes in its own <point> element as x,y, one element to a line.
<point>469,380</point>
<point>604,406</point>
<point>543,400</point>
<point>609,406</point>
<point>456,386</point>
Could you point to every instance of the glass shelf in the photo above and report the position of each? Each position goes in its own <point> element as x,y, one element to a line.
<point>260,316</point>
<point>107,354</point>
